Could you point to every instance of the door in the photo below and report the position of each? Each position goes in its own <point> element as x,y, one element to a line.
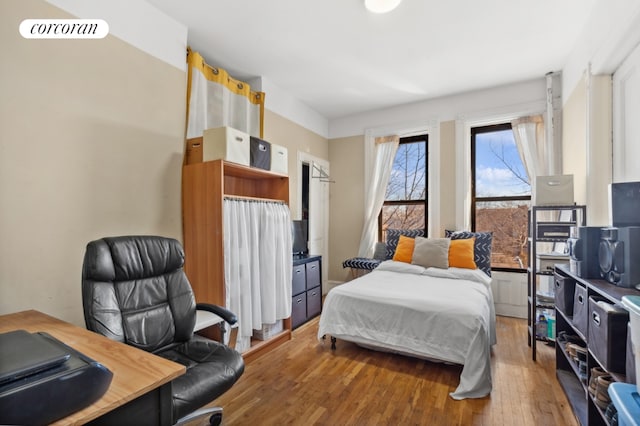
<point>318,208</point>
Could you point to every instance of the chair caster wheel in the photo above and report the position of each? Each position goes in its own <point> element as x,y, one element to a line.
<point>215,419</point>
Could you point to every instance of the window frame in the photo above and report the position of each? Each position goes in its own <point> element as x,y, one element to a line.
<point>404,140</point>
<point>475,130</point>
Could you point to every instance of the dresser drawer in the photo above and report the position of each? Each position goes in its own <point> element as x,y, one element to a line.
<point>314,302</point>
<point>313,274</point>
<point>298,310</point>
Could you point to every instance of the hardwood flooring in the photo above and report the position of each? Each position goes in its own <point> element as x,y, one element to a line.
<point>304,382</point>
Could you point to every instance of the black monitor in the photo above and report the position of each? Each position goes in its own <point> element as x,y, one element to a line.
<point>624,199</point>
<point>299,237</point>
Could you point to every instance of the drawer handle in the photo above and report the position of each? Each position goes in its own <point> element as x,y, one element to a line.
<point>298,271</point>
<point>313,293</point>
<point>239,139</point>
<point>313,266</point>
<point>580,299</point>
<point>596,318</point>
<point>195,145</point>
<point>299,300</point>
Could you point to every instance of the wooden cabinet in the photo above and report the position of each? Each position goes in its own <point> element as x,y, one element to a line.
<point>306,289</point>
<point>204,186</point>
<point>572,319</point>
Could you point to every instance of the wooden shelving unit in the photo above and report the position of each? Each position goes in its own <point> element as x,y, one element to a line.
<point>204,186</point>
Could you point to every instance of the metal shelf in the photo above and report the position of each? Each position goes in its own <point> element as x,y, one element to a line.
<point>577,217</point>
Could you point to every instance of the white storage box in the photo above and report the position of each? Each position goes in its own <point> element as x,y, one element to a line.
<point>226,143</point>
<point>279,159</point>
<point>268,331</point>
<point>632,303</point>
<point>556,190</point>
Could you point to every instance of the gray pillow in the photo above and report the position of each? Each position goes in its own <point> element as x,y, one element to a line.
<point>431,252</point>
<point>380,252</point>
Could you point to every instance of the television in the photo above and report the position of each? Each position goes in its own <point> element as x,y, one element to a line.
<point>624,202</point>
<point>299,237</point>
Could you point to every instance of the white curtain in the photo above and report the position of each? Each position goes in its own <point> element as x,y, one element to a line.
<point>531,142</point>
<point>215,99</point>
<point>257,264</point>
<point>385,152</point>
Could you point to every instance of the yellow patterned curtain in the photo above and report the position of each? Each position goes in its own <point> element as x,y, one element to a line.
<point>215,99</point>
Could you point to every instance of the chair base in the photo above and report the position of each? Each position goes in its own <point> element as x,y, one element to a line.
<point>215,414</point>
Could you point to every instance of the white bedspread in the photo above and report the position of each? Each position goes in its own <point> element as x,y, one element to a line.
<point>430,313</point>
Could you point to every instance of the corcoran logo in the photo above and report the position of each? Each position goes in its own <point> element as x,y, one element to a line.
<point>64,28</point>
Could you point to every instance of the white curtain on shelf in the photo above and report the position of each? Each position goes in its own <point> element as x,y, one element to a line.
<point>257,264</point>
<point>385,152</point>
<point>215,99</point>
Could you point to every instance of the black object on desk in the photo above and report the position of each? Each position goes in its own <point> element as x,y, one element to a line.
<point>43,380</point>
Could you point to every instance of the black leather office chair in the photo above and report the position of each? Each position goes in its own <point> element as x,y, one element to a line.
<point>134,290</point>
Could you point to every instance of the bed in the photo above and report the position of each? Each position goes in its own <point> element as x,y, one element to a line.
<point>427,312</point>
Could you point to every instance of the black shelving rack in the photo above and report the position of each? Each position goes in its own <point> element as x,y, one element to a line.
<point>547,224</point>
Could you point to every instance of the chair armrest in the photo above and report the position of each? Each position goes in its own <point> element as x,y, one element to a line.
<point>223,313</point>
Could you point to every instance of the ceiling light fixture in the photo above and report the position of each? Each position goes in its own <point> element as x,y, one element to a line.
<point>381,6</point>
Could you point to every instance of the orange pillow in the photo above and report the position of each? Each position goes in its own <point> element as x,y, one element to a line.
<point>404,250</point>
<point>461,253</point>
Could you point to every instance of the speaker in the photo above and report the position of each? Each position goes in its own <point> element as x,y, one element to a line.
<point>583,250</point>
<point>619,255</point>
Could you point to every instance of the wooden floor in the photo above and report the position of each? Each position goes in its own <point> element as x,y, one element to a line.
<point>304,382</point>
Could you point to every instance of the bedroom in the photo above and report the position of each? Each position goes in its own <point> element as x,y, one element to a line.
<point>65,179</point>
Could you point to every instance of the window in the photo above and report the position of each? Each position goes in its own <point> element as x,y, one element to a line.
<point>405,205</point>
<point>501,195</point>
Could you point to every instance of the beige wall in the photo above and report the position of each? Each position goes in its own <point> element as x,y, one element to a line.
<point>91,145</point>
<point>447,179</point>
<point>574,140</point>
<point>347,202</point>
<point>295,138</point>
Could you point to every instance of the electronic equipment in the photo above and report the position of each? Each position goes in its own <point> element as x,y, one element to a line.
<point>556,190</point>
<point>299,237</point>
<point>46,394</point>
<point>583,246</point>
<point>619,255</point>
<point>624,204</point>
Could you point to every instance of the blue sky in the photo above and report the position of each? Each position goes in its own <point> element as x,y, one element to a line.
<point>496,154</point>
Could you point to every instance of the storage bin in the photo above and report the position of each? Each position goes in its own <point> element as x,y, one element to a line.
<point>268,330</point>
<point>260,153</point>
<point>625,398</point>
<point>279,159</point>
<point>608,334</point>
<point>580,309</point>
<point>225,143</point>
<point>298,310</point>
<point>564,292</point>
<point>632,303</point>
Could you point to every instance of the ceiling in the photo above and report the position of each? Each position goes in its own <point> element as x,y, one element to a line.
<point>340,59</point>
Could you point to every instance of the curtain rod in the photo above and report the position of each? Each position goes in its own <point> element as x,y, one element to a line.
<point>253,199</point>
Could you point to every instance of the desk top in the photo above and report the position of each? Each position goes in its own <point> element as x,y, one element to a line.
<point>135,372</point>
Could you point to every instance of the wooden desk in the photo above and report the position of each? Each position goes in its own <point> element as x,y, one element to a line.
<point>137,374</point>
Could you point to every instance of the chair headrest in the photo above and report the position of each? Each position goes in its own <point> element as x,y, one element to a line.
<point>131,257</point>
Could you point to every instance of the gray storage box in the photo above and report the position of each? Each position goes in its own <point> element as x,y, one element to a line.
<point>608,334</point>
<point>260,153</point>
<point>580,310</point>
<point>564,292</point>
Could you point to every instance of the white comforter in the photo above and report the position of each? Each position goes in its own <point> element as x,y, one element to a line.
<point>444,314</point>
